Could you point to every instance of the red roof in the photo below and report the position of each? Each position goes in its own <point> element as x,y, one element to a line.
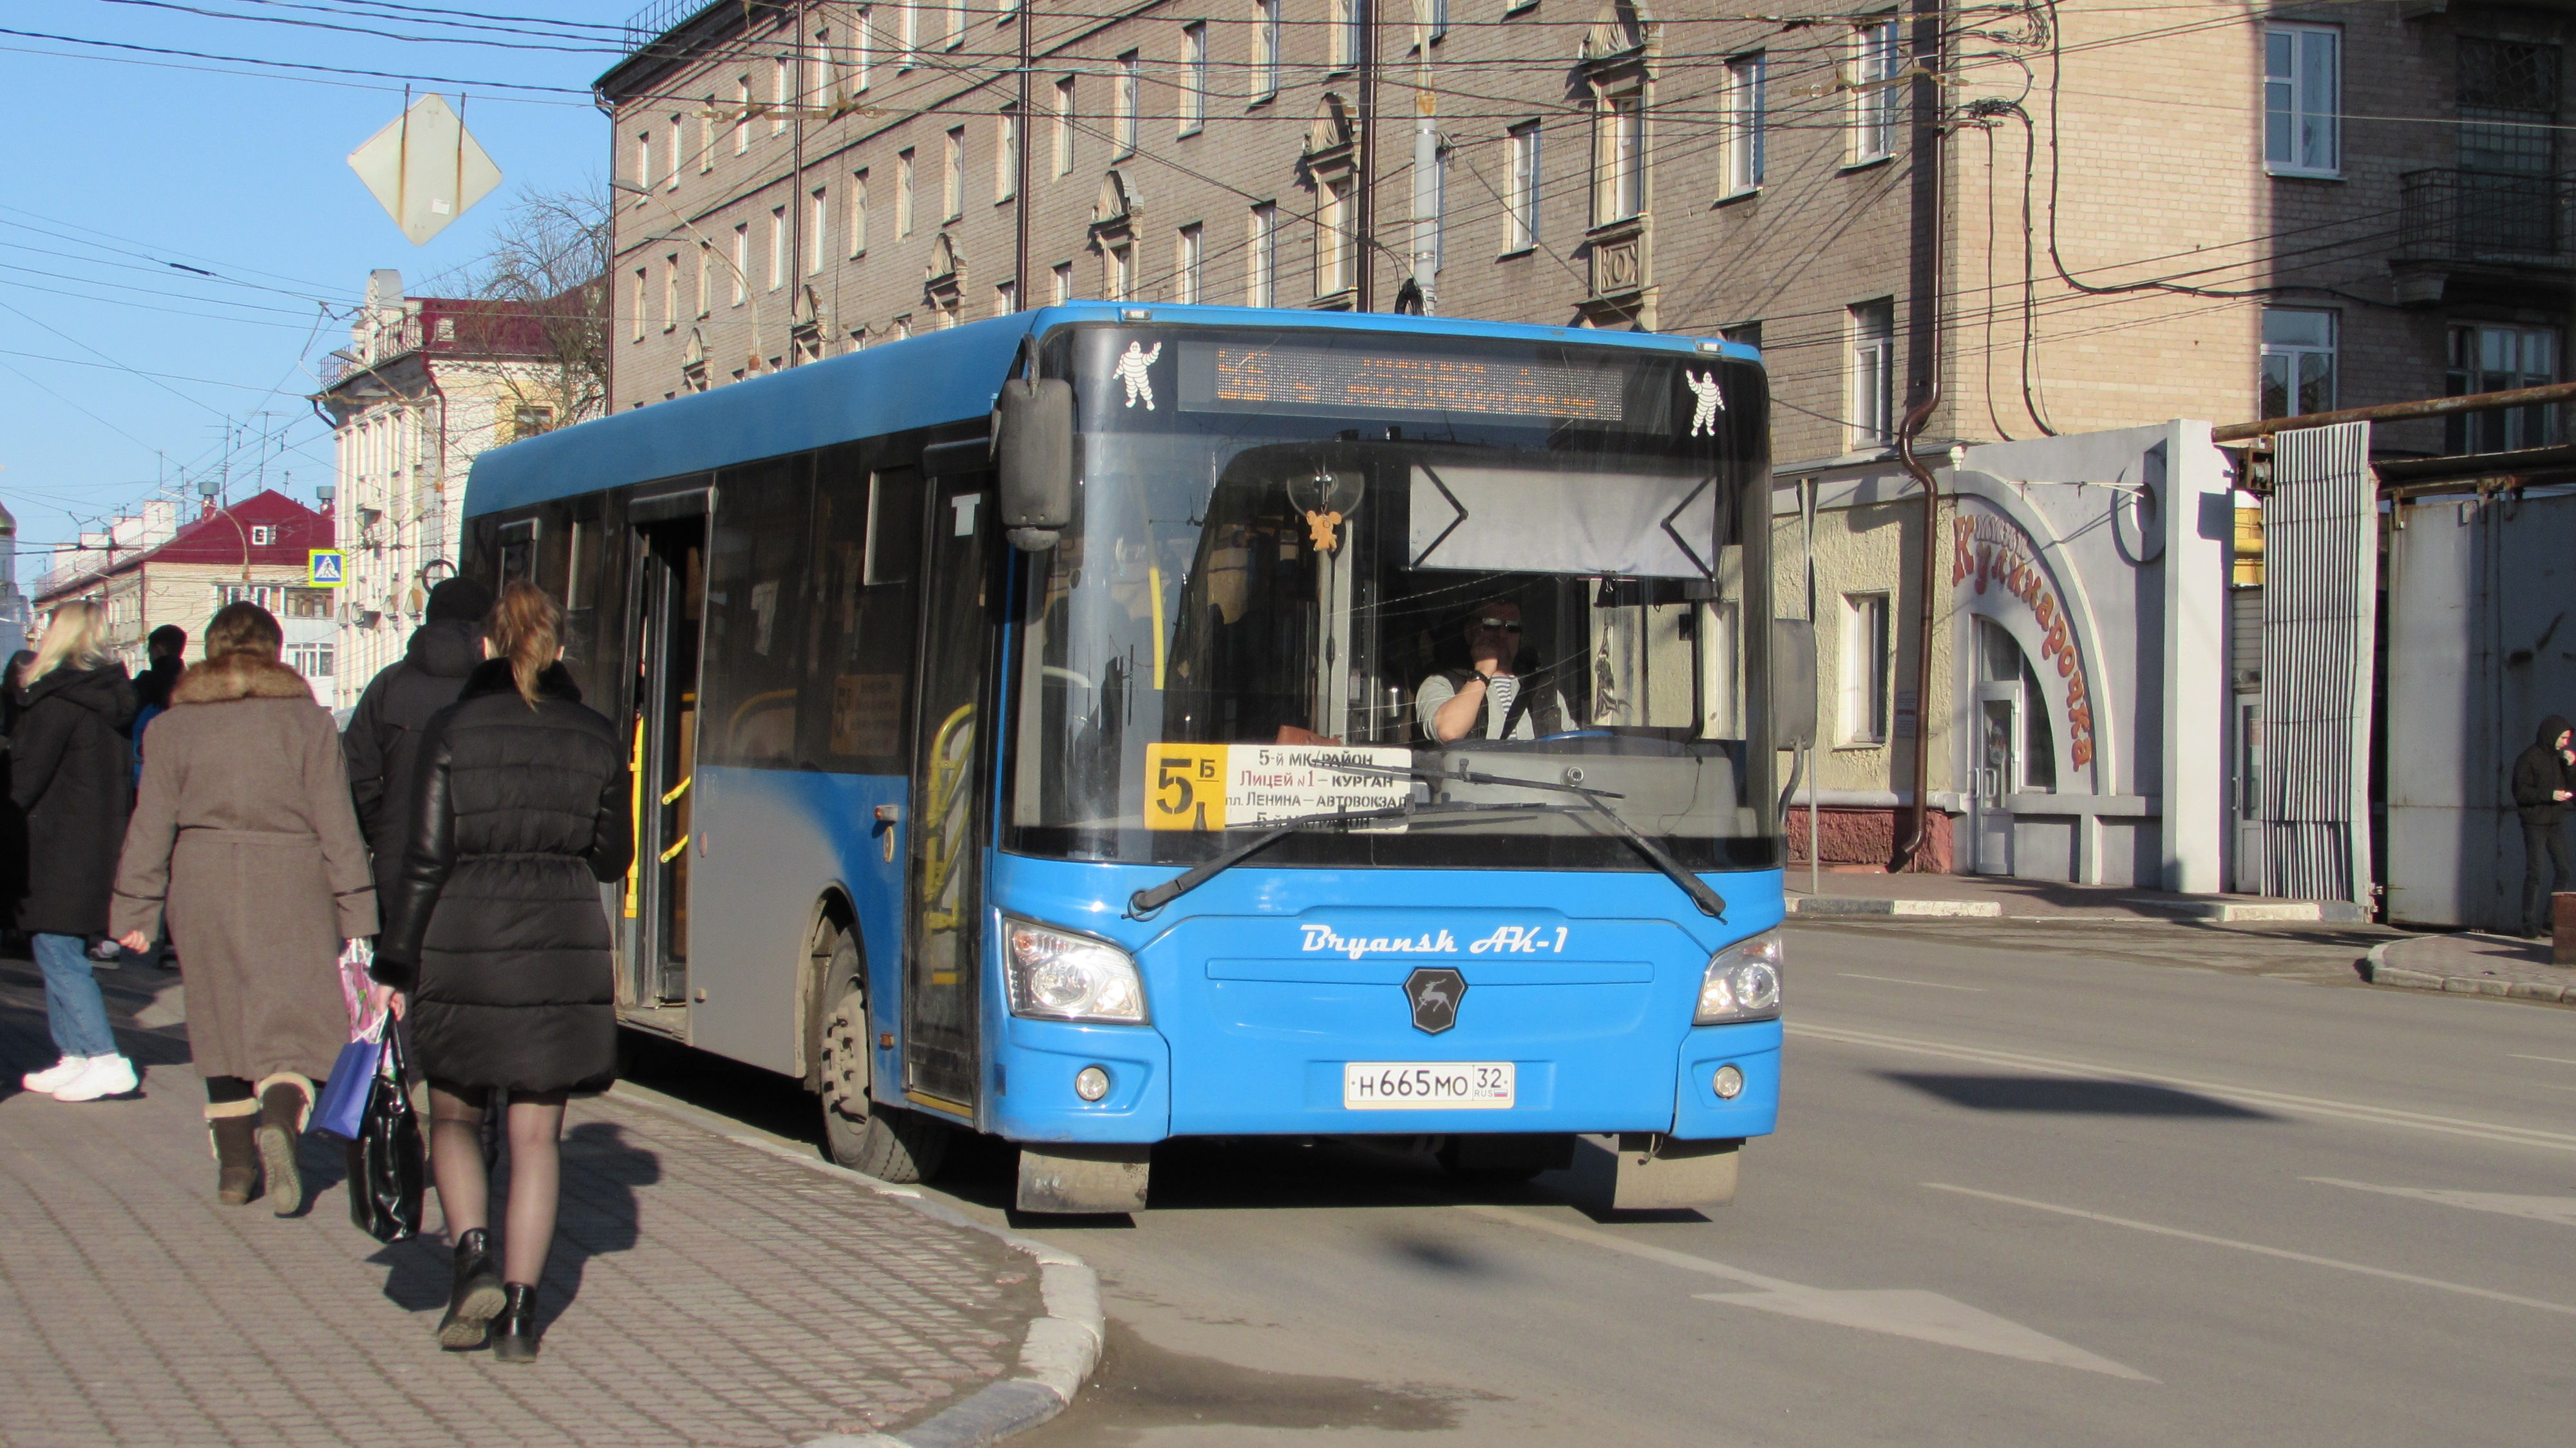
<point>214,538</point>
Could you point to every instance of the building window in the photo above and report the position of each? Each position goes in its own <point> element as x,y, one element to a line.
<point>643,284</point>
<point>1746,104</point>
<point>1746,334</point>
<point>1006,298</point>
<point>679,130</point>
<point>1118,270</point>
<point>859,212</point>
<point>1874,92</point>
<point>1620,163</point>
<point>782,93</point>
<point>956,27</point>
<point>1868,665</point>
<point>1435,19</point>
<point>1520,198</point>
<point>2487,358</point>
<point>1006,157</point>
<point>907,39</point>
<point>1333,237</point>
<point>1261,265</point>
<point>1873,374</point>
<point>309,603</point>
<point>670,291</point>
<point>1122,106</point>
<point>741,263</point>
<point>706,259</point>
<point>903,192</point>
<point>2298,361</point>
<point>1064,126</point>
<point>263,535</point>
<point>707,136</point>
<point>643,162</point>
<point>863,47</point>
<point>313,661</point>
<point>1060,282</point>
<point>818,230</point>
<point>952,174</point>
<point>741,114</point>
<point>777,247</point>
<point>2302,98</point>
<point>1185,265</point>
<point>1342,34</point>
<point>1265,49</point>
<point>1194,59</point>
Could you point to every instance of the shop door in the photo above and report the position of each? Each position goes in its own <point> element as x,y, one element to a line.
<point>945,891</point>
<point>669,600</point>
<point>1998,774</point>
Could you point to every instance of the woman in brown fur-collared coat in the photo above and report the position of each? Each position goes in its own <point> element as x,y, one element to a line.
<point>244,830</point>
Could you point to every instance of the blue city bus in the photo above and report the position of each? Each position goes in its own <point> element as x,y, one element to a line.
<point>1066,727</point>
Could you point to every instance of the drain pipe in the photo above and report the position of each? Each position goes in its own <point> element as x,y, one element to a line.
<point>1925,362</point>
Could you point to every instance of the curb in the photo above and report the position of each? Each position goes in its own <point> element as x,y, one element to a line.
<point>1056,1356</point>
<point>1854,905</point>
<point>2317,912</point>
<point>2376,970</point>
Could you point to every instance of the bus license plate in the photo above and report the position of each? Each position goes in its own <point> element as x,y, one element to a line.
<point>1423,1085</point>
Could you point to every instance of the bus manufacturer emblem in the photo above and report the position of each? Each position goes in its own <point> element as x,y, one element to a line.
<point>1435,993</point>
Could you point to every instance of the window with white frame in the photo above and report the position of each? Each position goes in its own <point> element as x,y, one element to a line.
<point>741,262</point>
<point>903,192</point>
<point>863,47</point>
<point>1006,156</point>
<point>952,174</point>
<point>643,162</point>
<point>706,263</point>
<point>777,247</point>
<point>643,288</point>
<point>1185,264</point>
<point>782,92</point>
<point>2495,357</point>
<point>679,155</point>
<point>707,135</point>
<point>1435,18</point>
<point>1747,105</point>
<point>1060,283</point>
<point>2298,361</point>
<point>1122,106</point>
<point>1194,64</point>
<point>907,39</point>
<point>1006,298</point>
<point>1118,271</point>
<point>263,535</point>
<point>2303,99</point>
<point>859,212</point>
<point>313,661</point>
<point>1874,91</point>
<point>822,69</point>
<point>1619,160</point>
<point>1342,34</point>
<point>1333,236</point>
<point>1520,194</point>
<point>1261,256</point>
<point>1064,126</point>
<point>742,114</point>
<point>1868,668</point>
<point>818,229</point>
<point>1872,385</point>
<point>955,37</point>
<point>1265,48</point>
<point>670,290</point>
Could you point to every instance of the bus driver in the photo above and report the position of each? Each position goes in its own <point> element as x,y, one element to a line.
<point>1486,699</point>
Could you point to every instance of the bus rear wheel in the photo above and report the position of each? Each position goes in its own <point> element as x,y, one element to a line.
<point>884,1142</point>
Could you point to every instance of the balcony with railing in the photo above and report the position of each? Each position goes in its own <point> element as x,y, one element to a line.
<point>2483,236</point>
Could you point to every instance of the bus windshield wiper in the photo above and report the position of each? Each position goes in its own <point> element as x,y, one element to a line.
<point>1710,903</point>
<point>1145,902</point>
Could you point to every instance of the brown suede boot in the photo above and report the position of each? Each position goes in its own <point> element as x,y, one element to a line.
<point>235,1127</point>
<point>285,1099</point>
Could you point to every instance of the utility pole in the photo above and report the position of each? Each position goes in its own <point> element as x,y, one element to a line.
<point>1366,14</point>
<point>1023,131</point>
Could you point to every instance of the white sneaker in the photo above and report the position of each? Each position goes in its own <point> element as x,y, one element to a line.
<point>99,1076</point>
<point>54,1077</point>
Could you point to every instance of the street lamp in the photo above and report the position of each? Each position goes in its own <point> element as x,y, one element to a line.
<point>750,297</point>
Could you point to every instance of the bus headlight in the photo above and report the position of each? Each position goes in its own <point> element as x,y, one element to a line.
<point>1742,982</point>
<point>1060,976</point>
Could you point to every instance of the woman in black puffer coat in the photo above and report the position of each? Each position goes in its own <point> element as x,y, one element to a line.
<point>495,940</point>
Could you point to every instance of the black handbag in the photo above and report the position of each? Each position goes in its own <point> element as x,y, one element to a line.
<point>386,1166</point>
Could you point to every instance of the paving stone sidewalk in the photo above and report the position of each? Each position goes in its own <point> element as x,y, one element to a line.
<point>700,1292</point>
<point>2473,963</point>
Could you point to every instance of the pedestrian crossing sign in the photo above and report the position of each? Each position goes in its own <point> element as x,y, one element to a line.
<point>322,568</point>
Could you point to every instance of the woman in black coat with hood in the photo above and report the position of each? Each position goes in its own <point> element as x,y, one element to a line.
<point>496,943</point>
<point>71,784</point>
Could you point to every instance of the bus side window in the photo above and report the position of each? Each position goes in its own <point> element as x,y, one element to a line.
<point>867,543</point>
<point>756,565</point>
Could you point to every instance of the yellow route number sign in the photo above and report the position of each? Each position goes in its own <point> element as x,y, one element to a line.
<point>1214,786</point>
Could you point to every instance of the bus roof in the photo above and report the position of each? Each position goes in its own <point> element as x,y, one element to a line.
<point>938,377</point>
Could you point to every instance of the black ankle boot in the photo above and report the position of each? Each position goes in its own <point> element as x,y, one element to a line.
<point>514,1338</point>
<point>476,1298</point>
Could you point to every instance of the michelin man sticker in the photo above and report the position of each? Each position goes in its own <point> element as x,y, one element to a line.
<point>1132,370</point>
<point>1703,416</point>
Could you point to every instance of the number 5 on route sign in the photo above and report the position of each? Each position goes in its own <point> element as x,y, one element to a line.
<point>324,568</point>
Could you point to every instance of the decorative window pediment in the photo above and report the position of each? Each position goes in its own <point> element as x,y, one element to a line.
<point>1620,32</point>
<point>1118,204</point>
<point>1331,139</point>
<point>943,279</point>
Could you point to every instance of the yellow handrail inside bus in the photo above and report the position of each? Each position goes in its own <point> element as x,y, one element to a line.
<point>635,815</point>
<point>942,845</point>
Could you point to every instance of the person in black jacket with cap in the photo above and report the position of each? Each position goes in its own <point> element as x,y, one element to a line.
<point>495,939</point>
<point>2540,795</point>
<point>384,731</point>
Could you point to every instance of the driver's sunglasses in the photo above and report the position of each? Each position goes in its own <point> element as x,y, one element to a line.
<point>1498,625</point>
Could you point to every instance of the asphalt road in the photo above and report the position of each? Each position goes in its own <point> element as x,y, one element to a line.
<point>2034,1184</point>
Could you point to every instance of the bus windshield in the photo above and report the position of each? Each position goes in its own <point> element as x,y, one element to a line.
<point>1528,564</point>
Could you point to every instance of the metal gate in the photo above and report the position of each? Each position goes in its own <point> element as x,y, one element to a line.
<point>2321,556</point>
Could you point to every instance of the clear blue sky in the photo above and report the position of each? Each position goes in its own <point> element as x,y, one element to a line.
<point>117,169</point>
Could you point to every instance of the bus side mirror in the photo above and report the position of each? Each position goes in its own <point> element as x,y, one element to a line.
<point>1793,682</point>
<point>1033,449</point>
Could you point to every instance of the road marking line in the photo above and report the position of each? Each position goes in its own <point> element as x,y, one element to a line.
<point>2530,1207</point>
<point>1903,1312</point>
<point>2283,1253</point>
<point>1900,980</point>
<point>2553,1060</point>
<point>2244,1095</point>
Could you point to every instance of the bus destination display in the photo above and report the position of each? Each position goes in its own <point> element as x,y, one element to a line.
<point>1341,380</point>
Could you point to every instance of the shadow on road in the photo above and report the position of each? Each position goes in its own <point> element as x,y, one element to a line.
<point>2071,1096</point>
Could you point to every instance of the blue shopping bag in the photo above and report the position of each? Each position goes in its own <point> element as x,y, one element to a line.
<point>342,1111</point>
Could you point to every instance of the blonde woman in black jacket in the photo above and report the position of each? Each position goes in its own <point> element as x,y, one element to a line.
<point>499,952</point>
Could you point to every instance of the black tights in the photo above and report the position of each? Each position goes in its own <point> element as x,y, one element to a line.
<point>535,1124</point>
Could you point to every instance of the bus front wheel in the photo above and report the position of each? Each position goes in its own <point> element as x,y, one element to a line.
<point>884,1142</point>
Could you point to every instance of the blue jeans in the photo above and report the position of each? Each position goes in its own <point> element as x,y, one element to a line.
<point>73,1006</point>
